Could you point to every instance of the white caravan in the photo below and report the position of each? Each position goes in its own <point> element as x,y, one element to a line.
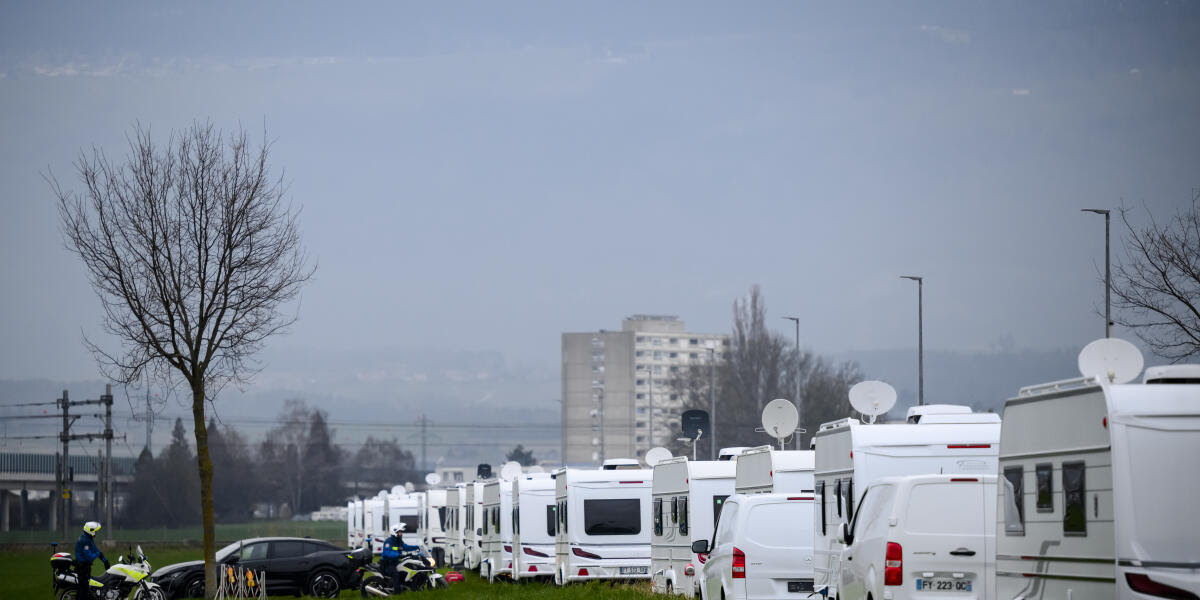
<point>533,526</point>
<point>454,526</point>
<point>404,507</point>
<point>687,497</point>
<point>497,529</point>
<point>434,521</point>
<point>763,471</point>
<point>851,455</point>
<point>1097,499</point>
<point>753,552</point>
<point>354,523</point>
<point>603,529</point>
<point>375,521</point>
<point>473,534</point>
<point>920,537</point>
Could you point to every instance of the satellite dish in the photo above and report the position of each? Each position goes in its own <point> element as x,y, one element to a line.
<point>535,469</point>
<point>408,486</point>
<point>510,470</point>
<point>397,489</point>
<point>433,479</point>
<point>657,455</point>
<point>1110,360</point>
<point>872,398</point>
<point>779,418</point>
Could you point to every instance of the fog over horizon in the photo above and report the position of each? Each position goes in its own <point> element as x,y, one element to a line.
<point>478,179</point>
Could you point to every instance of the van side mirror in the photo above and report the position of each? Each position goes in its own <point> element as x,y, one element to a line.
<point>700,546</point>
<point>844,535</point>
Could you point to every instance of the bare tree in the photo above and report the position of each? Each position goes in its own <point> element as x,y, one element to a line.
<point>1157,286</point>
<point>192,252</point>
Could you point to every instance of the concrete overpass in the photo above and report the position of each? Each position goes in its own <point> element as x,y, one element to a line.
<point>21,473</point>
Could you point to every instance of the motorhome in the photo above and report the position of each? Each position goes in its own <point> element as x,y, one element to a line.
<point>752,552</point>
<point>403,507</point>
<point>764,471</point>
<point>919,537</point>
<point>686,500</point>
<point>1096,500</point>
<point>603,529</point>
<point>533,526</point>
<point>354,523</point>
<point>434,521</point>
<point>473,534</point>
<point>454,525</point>
<point>497,529</point>
<point>375,520</point>
<point>851,455</point>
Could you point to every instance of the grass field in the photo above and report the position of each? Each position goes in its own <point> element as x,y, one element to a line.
<point>26,575</point>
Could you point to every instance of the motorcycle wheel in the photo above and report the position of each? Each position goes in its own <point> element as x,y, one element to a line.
<point>149,594</point>
<point>67,594</point>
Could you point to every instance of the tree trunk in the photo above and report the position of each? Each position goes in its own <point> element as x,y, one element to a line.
<point>204,462</point>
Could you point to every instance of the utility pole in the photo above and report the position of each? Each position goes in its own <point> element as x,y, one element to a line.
<point>107,400</point>
<point>712,403</point>
<point>920,336</point>
<point>1108,323</point>
<point>424,443</point>
<point>64,498</point>
<point>104,470</point>
<point>796,401</point>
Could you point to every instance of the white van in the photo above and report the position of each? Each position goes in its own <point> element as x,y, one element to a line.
<point>473,534</point>
<point>1097,498</point>
<point>603,529</point>
<point>763,471</point>
<point>686,500</point>
<point>754,551</point>
<point>533,526</point>
<point>497,529</point>
<point>920,537</point>
<point>851,455</point>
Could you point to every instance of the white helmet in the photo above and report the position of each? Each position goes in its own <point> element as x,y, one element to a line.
<point>398,528</point>
<point>91,527</point>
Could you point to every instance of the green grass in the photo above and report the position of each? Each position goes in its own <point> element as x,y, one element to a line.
<point>26,574</point>
<point>333,531</point>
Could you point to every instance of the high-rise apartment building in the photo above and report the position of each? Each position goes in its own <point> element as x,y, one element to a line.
<point>610,380</point>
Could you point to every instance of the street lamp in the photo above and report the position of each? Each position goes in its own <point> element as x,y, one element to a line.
<point>1107,272</point>
<point>650,379</point>
<point>796,401</point>
<point>920,336</point>
<point>712,402</point>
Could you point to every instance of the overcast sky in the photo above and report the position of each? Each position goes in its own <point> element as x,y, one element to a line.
<point>485,176</point>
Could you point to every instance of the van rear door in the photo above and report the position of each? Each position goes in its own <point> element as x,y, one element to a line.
<point>778,544</point>
<point>944,540</point>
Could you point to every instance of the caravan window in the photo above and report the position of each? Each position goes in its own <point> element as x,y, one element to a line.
<point>675,509</point>
<point>849,498</point>
<point>682,501</point>
<point>821,493</point>
<point>718,505</point>
<point>516,518</point>
<point>658,516</point>
<point>617,516</point>
<point>442,517</point>
<point>1014,500</point>
<point>837,494</point>
<point>486,521</point>
<point>1045,487</point>
<point>551,519</point>
<point>1074,511</point>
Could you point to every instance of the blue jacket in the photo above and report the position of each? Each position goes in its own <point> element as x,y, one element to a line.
<point>86,551</point>
<point>392,547</point>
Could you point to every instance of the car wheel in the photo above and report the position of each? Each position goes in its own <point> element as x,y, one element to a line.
<point>324,584</point>
<point>194,588</point>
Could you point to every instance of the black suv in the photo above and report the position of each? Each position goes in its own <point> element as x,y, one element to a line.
<point>291,566</point>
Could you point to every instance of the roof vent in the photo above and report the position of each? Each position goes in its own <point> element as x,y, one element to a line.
<point>620,464</point>
<point>916,412</point>
<point>1176,374</point>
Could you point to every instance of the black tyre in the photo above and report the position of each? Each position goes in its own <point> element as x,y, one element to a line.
<point>323,584</point>
<point>194,588</point>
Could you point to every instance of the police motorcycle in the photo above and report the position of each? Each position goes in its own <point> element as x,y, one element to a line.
<point>126,578</point>
<point>418,572</point>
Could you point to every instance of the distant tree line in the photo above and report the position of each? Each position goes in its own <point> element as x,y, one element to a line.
<point>296,468</point>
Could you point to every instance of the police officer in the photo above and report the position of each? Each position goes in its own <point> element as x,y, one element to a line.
<point>390,557</point>
<point>86,552</point>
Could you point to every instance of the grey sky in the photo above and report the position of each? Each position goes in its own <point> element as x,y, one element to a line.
<point>485,176</point>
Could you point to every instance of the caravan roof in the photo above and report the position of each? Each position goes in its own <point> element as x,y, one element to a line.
<point>599,476</point>
<point>731,452</point>
<point>616,464</point>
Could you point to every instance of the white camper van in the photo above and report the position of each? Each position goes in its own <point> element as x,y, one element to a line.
<point>473,537</point>
<point>763,471</point>
<point>603,529</point>
<point>533,526</point>
<point>454,528</point>
<point>752,553</point>
<point>920,537</point>
<point>435,520</point>
<point>1098,491</point>
<point>686,499</point>
<point>850,455</point>
<point>497,529</point>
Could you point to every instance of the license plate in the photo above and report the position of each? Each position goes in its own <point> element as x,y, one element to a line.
<point>941,584</point>
<point>800,586</point>
<point>633,570</point>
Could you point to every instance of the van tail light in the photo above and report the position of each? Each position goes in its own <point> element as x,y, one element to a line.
<point>533,568</point>
<point>893,565</point>
<point>532,552</point>
<point>739,563</point>
<point>583,573</point>
<point>584,554</point>
<point>1142,584</point>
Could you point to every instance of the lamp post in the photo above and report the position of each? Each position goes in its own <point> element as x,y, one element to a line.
<point>920,336</point>
<point>1107,271</point>
<point>796,401</point>
<point>712,402</point>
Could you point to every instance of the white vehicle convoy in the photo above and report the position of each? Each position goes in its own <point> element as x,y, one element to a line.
<point>763,471</point>
<point>686,499</point>
<point>920,537</point>
<point>850,455</point>
<point>454,525</point>
<point>435,515</point>
<point>497,529</point>
<point>473,534</point>
<point>603,529</point>
<point>1098,485</point>
<point>753,552</point>
<point>533,526</point>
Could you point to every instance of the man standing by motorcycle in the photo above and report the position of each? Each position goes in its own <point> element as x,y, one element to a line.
<point>86,553</point>
<point>390,557</point>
